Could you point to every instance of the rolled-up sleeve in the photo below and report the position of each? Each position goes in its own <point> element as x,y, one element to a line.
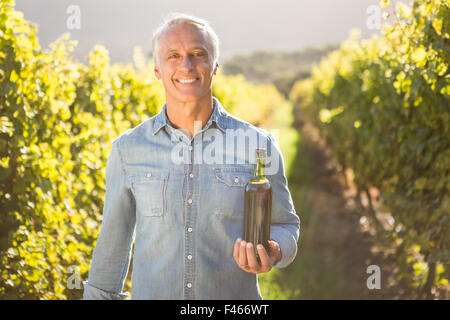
<point>112,252</point>
<point>285,228</point>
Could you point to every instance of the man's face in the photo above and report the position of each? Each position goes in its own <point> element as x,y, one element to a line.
<point>185,63</point>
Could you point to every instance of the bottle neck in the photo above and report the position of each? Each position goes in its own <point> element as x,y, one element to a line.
<point>260,164</point>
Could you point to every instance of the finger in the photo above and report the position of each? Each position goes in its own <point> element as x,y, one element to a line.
<point>236,249</point>
<point>273,244</point>
<point>242,254</point>
<point>265,262</point>
<point>273,247</point>
<point>274,251</point>
<point>251,258</point>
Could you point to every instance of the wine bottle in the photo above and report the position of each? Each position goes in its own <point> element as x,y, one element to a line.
<point>258,205</point>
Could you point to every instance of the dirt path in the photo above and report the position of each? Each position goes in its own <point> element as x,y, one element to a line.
<point>335,249</point>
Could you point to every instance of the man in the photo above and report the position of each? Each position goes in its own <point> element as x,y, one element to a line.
<point>185,212</point>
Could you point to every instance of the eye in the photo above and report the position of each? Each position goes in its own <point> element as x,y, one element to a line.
<point>199,54</point>
<point>173,56</point>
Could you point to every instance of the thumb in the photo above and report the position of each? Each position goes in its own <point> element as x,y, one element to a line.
<point>275,253</point>
<point>274,247</point>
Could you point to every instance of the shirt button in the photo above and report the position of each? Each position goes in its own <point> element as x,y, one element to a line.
<point>189,285</point>
<point>189,229</point>
<point>190,148</point>
<point>191,175</point>
<point>149,175</point>
<point>189,201</point>
<point>189,257</point>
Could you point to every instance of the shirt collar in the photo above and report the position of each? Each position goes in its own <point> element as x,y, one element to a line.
<point>219,116</point>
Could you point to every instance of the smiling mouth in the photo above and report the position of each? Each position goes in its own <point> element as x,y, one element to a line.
<point>187,81</point>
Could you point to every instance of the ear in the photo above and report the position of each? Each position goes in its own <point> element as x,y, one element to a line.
<point>216,67</point>
<point>157,72</point>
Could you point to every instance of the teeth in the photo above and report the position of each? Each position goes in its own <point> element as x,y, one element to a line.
<point>186,81</point>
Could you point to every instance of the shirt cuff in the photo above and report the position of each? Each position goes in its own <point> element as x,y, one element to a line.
<point>287,244</point>
<point>94,293</point>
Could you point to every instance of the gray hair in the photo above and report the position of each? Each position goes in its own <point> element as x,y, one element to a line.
<point>182,18</point>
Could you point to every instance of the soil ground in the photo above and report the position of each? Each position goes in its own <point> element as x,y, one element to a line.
<point>335,248</point>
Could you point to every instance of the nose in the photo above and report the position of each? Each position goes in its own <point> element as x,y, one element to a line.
<point>186,64</point>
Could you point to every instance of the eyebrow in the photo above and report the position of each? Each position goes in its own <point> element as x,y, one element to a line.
<point>196,48</point>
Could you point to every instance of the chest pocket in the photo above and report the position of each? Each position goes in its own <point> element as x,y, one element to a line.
<point>150,191</point>
<point>229,185</point>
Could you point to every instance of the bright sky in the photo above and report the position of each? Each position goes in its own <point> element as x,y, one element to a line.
<point>242,25</point>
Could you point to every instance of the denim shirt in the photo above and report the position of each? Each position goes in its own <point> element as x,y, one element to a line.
<point>181,201</point>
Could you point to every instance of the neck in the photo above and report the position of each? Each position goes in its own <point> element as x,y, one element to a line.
<point>259,170</point>
<point>190,116</point>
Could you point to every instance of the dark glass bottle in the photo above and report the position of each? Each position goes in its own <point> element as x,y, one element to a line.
<point>258,205</point>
